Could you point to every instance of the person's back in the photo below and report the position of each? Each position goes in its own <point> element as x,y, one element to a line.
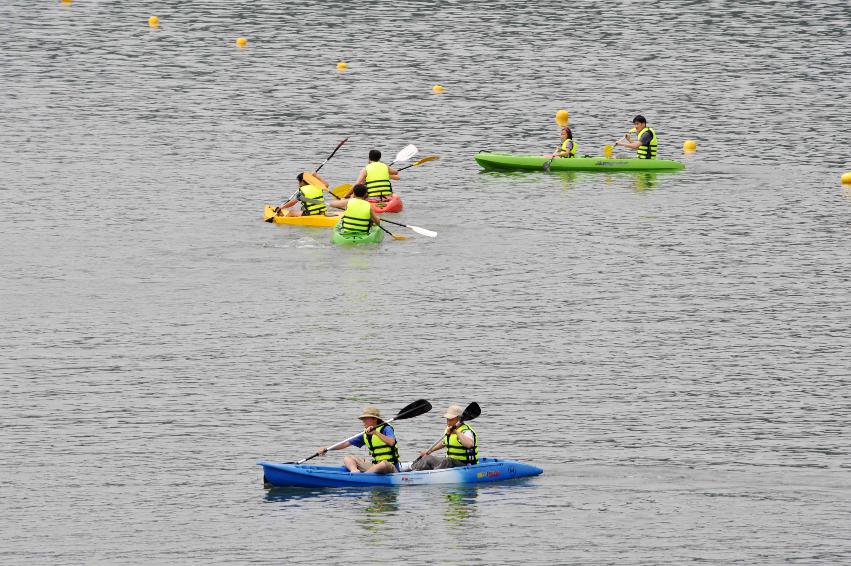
<point>313,202</point>
<point>377,177</point>
<point>358,216</point>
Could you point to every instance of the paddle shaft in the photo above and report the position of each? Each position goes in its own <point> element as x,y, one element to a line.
<point>332,154</point>
<point>420,162</point>
<point>416,229</point>
<point>550,162</point>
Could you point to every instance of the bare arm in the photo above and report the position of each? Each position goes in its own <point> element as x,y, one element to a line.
<point>628,142</point>
<point>323,450</point>
<point>434,448</point>
<point>393,174</point>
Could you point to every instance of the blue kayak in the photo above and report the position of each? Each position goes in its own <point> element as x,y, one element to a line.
<point>303,475</point>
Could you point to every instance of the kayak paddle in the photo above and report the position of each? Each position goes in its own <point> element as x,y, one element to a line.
<point>420,162</point>
<point>332,154</point>
<point>341,190</point>
<point>471,412</point>
<point>415,409</point>
<point>607,149</point>
<point>405,153</point>
<point>416,229</point>
<point>550,162</point>
<point>392,235</point>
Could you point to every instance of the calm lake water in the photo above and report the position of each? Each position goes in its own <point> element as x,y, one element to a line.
<point>672,349</point>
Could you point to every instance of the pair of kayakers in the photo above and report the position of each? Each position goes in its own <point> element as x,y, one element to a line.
<point>644,144</point>
<point>373,185</point>
<point>459,439</point>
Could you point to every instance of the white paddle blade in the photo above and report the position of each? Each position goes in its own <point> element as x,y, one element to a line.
<point>423,231</point>
<point>406,153</point>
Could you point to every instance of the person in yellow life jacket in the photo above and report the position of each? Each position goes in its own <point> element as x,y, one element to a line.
<point>376,176</point>
<point>568,145</point>
<point>359,216</point>
<point>645,145</point>
<point>311,198</point>
<point>460,441</point>
<point>380,440</point>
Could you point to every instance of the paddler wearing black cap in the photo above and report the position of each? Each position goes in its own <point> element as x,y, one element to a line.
<point>645,145</point>
<point>460,441</point>
<point>379,438</point>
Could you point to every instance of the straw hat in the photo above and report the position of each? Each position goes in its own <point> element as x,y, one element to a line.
<point>453,411</point>
<point>371,412</point>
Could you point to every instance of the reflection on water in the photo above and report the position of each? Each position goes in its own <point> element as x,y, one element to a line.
<point>381,506</point>
<point>460,504</point>
<point>645,181</point>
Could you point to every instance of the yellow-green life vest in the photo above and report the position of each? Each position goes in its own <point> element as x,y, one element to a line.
<point>358,216</point>
<point>314,193</point>
<point>377,180</point>
<point>572,150</point>
<point>380,450</point>
<point>457,451</point>
<point>645,151</point>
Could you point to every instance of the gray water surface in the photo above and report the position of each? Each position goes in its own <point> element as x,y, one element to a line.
<point>672,349</point>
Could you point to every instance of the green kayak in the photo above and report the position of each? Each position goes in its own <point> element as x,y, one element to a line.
<point>512,162</point>
<point>340,236</point>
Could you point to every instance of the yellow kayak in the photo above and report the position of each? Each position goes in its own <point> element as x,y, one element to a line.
<point>319,221</point>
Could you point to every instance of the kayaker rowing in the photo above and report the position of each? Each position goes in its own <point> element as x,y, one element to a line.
<point>645,144</point>
<point>459,439</point>
<point>359,215</point>
<point>376,176</point>
<point>568,145</point>
<point>381,441</point>
<point>379,438</point>
<point>310,196</point>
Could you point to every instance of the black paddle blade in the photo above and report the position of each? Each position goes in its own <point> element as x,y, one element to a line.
<point>415,409</point>
<point>471,412</point>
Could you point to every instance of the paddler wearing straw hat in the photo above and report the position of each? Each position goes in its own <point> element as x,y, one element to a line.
<point>459,439</point>
<point>310,196</point>
<point>379,438</point>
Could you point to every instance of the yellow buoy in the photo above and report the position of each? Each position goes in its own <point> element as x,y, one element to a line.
<point>562,117</point>
<point>342,65</point>
<point>153,21</point>
<point>437,89</point>
<point>66,1</point>
<point>241,42</point>
<point>689,146</point>
<point>846,178</point>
